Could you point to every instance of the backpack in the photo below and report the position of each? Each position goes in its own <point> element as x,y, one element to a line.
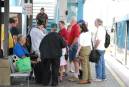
<point>107,40</point>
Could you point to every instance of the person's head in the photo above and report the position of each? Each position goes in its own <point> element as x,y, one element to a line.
<point>12,22</point>
<point>40,23</point>
<point>42,10</point>
<point>83,26</point>
<point>53,27</point>
<point>61,24</point>
<point>98,22</point>
<point>21,39</point>
<point>73,20</point>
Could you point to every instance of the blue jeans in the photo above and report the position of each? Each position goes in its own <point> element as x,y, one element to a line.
<point>100,66</point>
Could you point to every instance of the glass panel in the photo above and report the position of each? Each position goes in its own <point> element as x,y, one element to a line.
<point>15,2</point>
<point>127,43</point>
<point>120,42</point>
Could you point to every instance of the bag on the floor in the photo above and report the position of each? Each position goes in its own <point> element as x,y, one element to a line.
<point>23,65</point>
<point>94,56</point>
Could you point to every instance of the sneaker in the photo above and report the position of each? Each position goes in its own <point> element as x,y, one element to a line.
<point>104,79</point>
<point>98,80</point>
<point>73,79</point>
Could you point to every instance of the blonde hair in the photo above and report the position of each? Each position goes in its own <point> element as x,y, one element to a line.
<point>19,38</point>
<point>74,18</point>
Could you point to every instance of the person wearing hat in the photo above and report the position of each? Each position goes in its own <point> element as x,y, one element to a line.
<point>53,27</point>
<point>51,51</point>
<point>42,16</point>
<point>83,52</point>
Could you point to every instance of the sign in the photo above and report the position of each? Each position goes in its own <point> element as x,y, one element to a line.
<point>28,8</point>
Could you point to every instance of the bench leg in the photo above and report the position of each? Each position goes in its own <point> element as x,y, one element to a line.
<point>28,82</point>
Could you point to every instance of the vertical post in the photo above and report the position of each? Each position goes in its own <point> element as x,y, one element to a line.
<point>6,21</point>
<point>115,37</point>
<point>29,18</point>
<point>0,23</point>
<point>80,9</point>
<point>62,10</point>
<point>126,42</point>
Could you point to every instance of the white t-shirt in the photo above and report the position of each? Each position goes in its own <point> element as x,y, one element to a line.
<point>36,36</point>
<point>85,39</point>
<point>101,37</point>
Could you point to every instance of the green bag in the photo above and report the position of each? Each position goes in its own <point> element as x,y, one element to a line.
<point>23,65</point>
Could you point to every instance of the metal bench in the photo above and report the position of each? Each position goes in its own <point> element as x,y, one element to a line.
<point>14,73</point>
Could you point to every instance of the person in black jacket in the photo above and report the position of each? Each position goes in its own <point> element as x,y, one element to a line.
<point>51,51</point>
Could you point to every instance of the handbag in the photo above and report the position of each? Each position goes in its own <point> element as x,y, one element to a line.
<point>23,65</point>
<point>94,56</point>
<point>33,56</point>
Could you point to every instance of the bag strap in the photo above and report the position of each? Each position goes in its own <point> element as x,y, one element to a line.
<point>94,39</point>
<point>92,44</point>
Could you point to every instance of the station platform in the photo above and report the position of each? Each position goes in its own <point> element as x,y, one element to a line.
<point>113,79</point>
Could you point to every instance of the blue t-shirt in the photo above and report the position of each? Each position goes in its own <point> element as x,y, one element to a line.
<point>20,50</point>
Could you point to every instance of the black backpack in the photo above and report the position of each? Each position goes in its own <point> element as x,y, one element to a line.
<point>107,40</point>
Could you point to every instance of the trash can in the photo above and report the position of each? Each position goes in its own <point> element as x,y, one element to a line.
<point>4,72</point>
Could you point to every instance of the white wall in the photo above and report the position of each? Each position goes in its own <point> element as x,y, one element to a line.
<point>104,9</point>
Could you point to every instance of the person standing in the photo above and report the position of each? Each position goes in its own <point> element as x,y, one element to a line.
<point>42,16</point>
<point>13,29</point>
<point>73,46</point>
<point>63,63</point>
<point>51,51</point>
<point>37,35</point>
<point>99,40</point>
<point>83,52</point>
<point>13,34</point>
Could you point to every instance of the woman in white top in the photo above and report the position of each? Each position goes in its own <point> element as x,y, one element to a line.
<point>83,53</point>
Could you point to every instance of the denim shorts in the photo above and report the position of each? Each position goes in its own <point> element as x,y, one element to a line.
<point>72,52</point>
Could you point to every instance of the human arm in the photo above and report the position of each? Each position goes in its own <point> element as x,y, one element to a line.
<point>19,51</point>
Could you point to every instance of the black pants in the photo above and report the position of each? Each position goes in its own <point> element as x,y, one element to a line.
<point>50,71</point>
<point>38,72</point>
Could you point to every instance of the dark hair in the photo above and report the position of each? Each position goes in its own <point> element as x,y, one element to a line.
<point>11,20</point>
<point>40,22</point>
<point>42,8</point>
<point>83,27</point>
<point>62,22</point>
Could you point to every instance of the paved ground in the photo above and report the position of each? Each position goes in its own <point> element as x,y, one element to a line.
<point>110,82</point>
